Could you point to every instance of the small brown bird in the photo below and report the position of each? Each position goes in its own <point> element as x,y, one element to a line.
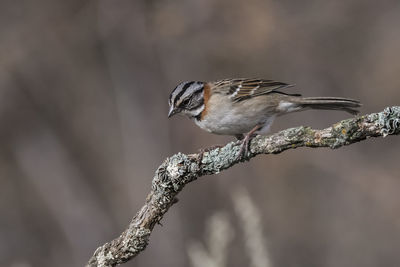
<point>243,107</point>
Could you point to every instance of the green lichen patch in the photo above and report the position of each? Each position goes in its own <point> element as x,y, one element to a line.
<point>389,121</point>
<point>219,159</point>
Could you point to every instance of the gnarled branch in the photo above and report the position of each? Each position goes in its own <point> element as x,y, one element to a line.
<point>175,172</point>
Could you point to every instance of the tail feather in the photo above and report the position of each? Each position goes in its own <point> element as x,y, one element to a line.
<point>328,103</point>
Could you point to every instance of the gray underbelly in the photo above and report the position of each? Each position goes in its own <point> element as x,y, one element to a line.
<point>233,124</point>
<point>231,118</point>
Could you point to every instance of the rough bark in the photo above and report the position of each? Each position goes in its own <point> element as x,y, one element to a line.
<point>175,172</point>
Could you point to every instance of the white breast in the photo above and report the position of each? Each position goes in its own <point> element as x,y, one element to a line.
<point>228,118</point>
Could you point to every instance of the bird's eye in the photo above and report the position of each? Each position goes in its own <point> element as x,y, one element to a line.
<point>185,103</point>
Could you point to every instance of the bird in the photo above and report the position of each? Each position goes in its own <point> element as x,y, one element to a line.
<point>244,107</point>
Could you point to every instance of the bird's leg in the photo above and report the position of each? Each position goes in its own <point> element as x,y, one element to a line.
<point>244,148</point>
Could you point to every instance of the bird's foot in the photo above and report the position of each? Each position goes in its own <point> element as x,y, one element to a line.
<point>244,147</point>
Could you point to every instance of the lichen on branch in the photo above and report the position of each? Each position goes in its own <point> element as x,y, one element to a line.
<point>178,170</point>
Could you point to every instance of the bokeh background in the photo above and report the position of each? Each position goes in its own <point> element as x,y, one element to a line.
<point>83,126</point>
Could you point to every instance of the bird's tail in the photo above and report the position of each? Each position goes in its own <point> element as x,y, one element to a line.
<point>327,103</point>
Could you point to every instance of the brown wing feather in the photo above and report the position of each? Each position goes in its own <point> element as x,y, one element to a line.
<point>240,89</point>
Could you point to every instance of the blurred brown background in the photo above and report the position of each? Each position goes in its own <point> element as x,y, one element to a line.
<point>83,126</point>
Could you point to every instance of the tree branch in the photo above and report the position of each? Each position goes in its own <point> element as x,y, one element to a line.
<point>175,172</point>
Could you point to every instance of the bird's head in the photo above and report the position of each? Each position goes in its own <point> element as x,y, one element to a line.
<point>187,98</point>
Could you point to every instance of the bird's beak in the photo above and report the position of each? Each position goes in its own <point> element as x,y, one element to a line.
<point>172,111</point>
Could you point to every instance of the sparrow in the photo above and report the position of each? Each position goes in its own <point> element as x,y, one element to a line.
<point>243,107</point>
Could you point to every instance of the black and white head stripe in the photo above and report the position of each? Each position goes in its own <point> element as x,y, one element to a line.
<point>178,91</point>
<point>187,97</point>
<point>185,91</point>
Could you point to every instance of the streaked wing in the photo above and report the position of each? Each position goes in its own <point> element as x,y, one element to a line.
<point>240,89</point>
